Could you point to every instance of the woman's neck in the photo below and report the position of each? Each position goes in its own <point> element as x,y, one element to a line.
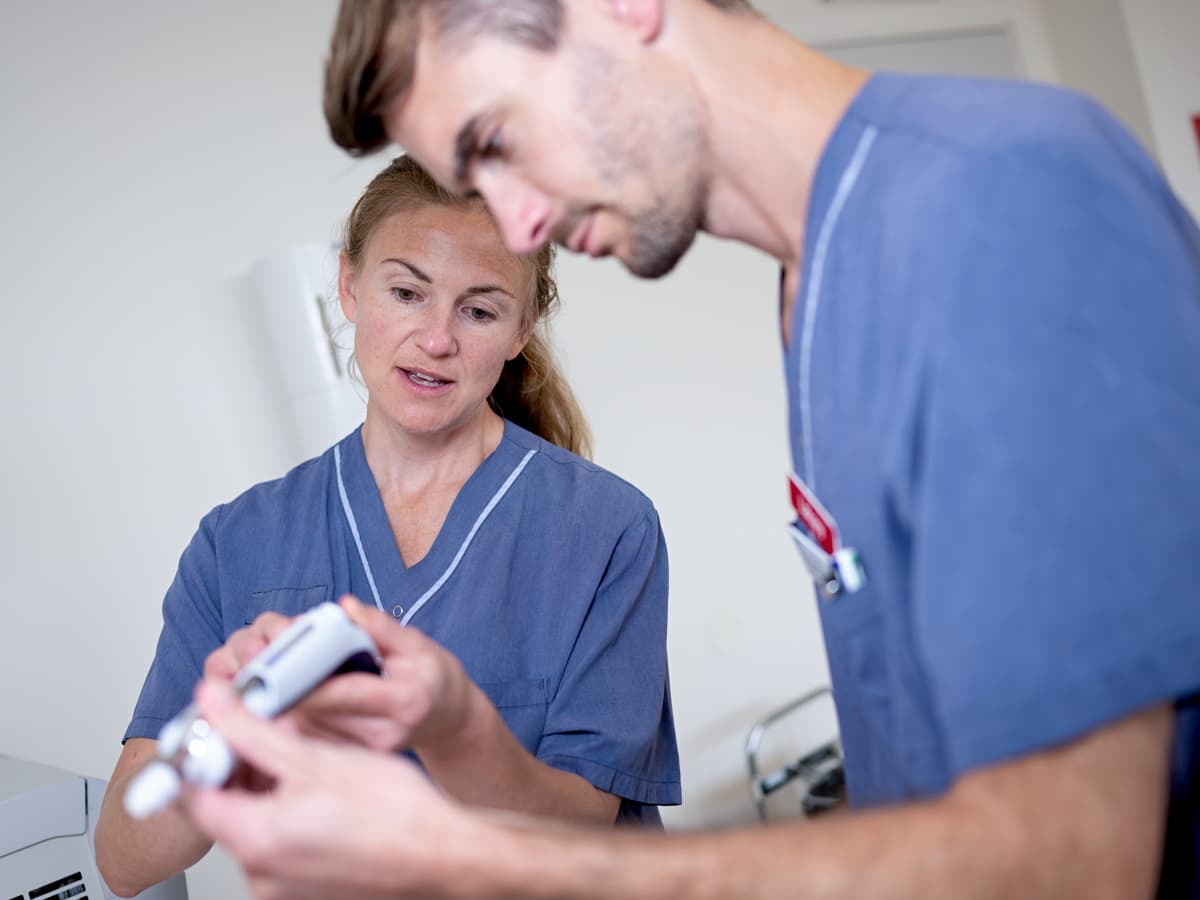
<point>406,464</point>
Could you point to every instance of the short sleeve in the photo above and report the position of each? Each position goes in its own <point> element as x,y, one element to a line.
<point>1056,560</point>
<point>610,719</point>
<point>192,628</point>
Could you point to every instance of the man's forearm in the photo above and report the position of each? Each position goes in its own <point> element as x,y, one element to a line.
<point>866,855</point>
<point>1083,821</point>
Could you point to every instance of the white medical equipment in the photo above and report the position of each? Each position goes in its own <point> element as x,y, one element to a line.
<point>47,831</point>
<point>320,643</point>
<point>309,341</point>
<point>818,770</point>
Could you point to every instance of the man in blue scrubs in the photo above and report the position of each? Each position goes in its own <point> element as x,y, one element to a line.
<point>991,322</point>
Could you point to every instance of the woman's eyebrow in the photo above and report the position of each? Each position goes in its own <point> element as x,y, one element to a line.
<point>472,291</point>
<point>416,272</point>
<point>487,289</point>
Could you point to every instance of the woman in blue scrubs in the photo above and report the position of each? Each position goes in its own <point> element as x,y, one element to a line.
<point>534,674</point>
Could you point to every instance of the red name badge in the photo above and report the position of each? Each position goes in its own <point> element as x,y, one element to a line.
<point>834,568</point>
<point>813,515</point>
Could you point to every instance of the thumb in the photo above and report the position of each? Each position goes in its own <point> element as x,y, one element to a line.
<point>388,635</point>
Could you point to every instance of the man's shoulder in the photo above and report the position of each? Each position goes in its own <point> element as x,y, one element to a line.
<point>987,114</point>
<point>990,134</point>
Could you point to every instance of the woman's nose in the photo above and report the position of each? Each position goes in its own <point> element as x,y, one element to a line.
<point>435,334</point>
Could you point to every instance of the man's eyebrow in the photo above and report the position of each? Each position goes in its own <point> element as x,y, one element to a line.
<point>465,143</point>
<point>417,272</point>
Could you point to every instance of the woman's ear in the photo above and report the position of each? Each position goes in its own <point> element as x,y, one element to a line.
<point>520,342</point>
<point>347,287</point>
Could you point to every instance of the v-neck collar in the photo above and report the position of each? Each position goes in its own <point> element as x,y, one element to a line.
<point>402,585</point>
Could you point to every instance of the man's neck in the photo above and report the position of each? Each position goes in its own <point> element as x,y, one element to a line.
<point>772,104</point>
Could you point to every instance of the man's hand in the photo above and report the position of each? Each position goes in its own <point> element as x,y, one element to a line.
<point>333,818</point>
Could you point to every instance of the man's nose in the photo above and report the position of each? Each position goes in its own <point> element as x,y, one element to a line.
<point>523,213</point>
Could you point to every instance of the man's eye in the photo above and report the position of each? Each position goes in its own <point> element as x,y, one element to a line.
<point>493,147</point>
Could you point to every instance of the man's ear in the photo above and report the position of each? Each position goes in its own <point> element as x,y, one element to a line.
<point>347,287</point>
<point>643,17</point>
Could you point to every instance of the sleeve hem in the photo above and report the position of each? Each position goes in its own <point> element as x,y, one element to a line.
<point>1078,707</point>
<point>144,727</point>
<point>621,784</point>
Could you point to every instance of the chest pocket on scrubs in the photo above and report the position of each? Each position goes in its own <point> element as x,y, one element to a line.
<point>522,704</point>
<point>285,601</point>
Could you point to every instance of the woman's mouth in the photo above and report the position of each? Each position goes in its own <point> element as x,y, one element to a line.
<point>424,379</point>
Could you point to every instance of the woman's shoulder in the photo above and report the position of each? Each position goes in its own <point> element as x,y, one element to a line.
<point>278,500</point>
<point>566,477</point>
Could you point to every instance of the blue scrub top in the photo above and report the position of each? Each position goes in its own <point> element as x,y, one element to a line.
<point>548,581</point>
<point>994,387</point>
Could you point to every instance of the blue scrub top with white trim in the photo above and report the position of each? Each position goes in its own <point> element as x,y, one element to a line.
<point>994,388</point>
<point>548,581</point>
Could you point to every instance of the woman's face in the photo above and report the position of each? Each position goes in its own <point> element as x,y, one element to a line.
<point>437,307</point>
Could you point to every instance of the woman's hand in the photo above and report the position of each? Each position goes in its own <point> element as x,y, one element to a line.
<point>423,700</point>
<point>243,645</point>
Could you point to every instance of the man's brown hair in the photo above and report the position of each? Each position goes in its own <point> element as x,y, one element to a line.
<point>374,43</point>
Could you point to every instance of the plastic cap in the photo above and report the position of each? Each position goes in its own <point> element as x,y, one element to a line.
<point>152,790</point>
<point>209,761</point>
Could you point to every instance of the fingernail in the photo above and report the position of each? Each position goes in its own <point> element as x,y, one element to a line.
<point>351,607</point>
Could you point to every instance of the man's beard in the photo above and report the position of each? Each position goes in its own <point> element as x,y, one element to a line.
<point>658,239</point>
<point>631,147</point>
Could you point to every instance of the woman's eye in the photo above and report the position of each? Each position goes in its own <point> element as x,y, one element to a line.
<point>478,314</point>
<point>404,295</point>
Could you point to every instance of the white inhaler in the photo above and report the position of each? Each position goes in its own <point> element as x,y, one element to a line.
<point>320,643</point>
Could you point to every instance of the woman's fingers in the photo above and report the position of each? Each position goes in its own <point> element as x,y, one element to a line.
<point>243,645</point>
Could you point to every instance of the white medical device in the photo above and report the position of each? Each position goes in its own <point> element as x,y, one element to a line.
<point>295,316</point>
<point>47,829</point>
<point>320,643</point>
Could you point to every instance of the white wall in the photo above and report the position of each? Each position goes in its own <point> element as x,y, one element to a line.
<point>1140,58</point>
<point>151,152</point>
<point>1166,44</point>
<point>1093,53</point>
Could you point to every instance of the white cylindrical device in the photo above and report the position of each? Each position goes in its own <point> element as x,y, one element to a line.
<point>318,644</point>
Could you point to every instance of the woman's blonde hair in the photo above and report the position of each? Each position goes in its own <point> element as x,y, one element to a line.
<point>532,391</point>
